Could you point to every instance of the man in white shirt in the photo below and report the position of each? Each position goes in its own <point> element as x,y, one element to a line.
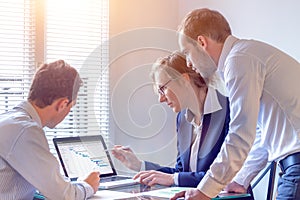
<point>26,163</point>
<point>262,84</point>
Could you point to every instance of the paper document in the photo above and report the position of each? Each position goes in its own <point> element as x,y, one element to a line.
<point>225,195</point>
<point>171,191</point>
<point>166,192</point>
<point>109,194</point>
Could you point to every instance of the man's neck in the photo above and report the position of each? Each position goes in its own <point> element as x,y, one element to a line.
<point>44,113</point>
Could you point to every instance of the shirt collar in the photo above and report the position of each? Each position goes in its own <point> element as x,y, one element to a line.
<point>25,105</point>
<point>228,44</point>
<point>211,104</point>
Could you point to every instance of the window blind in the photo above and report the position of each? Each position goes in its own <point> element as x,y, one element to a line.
<point>17,51</point>
<point>77,32</point>
<point>73,30</point>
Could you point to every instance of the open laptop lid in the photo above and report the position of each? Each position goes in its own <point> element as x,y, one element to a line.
<point>82,154</point>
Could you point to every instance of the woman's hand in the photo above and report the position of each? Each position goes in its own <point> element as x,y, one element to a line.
<point>127,157</point>
<point>153,177</point>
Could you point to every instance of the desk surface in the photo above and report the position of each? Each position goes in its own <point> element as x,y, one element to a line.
<point>156,192</point>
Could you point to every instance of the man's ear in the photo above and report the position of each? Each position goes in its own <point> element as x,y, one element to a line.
<point>202,41</point>
<point>61,104</point>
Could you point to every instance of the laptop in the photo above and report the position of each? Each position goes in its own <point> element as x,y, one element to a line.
<point>82,154</point>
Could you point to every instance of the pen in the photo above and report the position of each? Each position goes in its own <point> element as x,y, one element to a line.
<point>123,148</point>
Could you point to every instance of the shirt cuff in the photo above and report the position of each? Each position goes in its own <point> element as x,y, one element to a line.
<point>143,166</point>
<point>89,191</point>
<point>175,178</point>
<point>209,187</point>
<point>242,179</point>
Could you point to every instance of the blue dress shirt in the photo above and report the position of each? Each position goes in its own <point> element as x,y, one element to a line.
<point>26,164</point>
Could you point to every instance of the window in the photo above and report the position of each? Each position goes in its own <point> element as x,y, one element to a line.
<point>17,47</point>
<point>77,32</point>
<point>35,31</point>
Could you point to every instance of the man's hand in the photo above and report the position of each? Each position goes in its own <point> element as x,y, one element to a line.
<point>235,187</point>
<point>93,180</point>
<point>193,194</point>
<point>127,157</point>
<point>154,177</point>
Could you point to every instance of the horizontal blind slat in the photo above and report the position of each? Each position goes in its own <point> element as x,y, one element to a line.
<point>79,35</point>
<point>17,49</point>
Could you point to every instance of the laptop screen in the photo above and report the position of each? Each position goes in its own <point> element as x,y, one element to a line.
<point>82,155</point>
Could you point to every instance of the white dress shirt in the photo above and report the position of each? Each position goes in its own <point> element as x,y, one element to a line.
<point>211,105</point>
<point>26,163</point>
<point>195,146</point>
<point>263,87</point>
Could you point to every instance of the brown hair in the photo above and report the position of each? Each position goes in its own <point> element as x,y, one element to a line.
<point>52,81</point>
<point>174,65</point>
<point>206,22</point>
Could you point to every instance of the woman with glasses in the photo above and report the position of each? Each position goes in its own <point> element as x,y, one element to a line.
<point>202,125</point>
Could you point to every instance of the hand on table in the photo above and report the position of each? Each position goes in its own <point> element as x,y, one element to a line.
<point>127,157</point>
<point>93,180</point>
<point>193,194</point>
<point>235,187</point>
<point>153,177</point>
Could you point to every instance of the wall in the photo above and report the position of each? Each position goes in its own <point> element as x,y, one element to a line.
<point>275,22</point>
<point>140,32</point>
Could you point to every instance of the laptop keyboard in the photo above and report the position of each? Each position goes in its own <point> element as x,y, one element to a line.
<point>114,178</point>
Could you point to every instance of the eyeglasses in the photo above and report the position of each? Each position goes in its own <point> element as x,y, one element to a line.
<point>161,89</point>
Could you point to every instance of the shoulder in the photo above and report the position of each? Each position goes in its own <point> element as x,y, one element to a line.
<point>15,124</point>
<point>181,116</point>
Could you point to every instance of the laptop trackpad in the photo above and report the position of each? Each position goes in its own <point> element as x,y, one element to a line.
<point>116,181</point>
<point>113,178</point>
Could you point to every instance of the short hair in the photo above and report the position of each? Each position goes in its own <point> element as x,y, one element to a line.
<point>206,22</point>
<point>174,65</point>
<point>53,81</point>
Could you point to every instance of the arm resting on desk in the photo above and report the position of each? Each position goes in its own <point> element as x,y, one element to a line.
<point>185,179</point>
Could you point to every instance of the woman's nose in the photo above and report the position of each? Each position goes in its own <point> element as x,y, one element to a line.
<point>161,98</point>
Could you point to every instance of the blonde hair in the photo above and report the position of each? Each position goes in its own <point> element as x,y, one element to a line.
<point>206,22</point>
<point>173,66</point>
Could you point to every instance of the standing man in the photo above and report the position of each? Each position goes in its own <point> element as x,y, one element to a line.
<point>262,84</point>
<point>26,163</point>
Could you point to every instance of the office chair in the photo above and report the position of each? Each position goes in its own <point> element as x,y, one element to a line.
<point>272,169</point>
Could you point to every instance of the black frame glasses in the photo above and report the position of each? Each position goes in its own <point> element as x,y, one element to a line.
<point>161,89</point>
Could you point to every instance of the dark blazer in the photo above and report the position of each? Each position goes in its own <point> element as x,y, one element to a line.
<point>214,131</point>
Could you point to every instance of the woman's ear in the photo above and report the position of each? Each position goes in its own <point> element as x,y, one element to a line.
<point>187,79</point>
<point>186,76</point>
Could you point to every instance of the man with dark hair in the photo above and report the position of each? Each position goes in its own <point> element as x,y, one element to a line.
<point>26,163</point>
